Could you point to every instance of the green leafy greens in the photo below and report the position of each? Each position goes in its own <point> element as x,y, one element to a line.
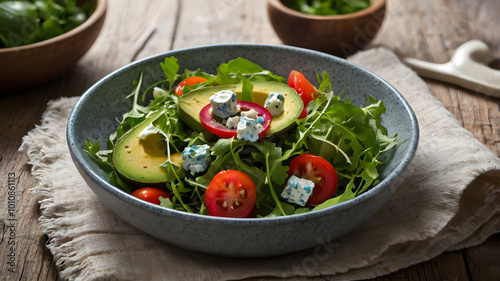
<point>350,137</point>
<point>30,21</point>
<point>327,7</point>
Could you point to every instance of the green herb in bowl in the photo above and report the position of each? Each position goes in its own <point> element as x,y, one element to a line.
<point>327,7</point>
<point>30,21</point>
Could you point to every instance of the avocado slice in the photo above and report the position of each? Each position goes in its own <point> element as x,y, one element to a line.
<point>138,160</point>
<point>190,104</point>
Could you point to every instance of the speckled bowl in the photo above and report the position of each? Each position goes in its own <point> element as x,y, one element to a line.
<point>94,116</point>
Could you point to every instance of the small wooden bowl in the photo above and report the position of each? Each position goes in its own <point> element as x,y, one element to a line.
<point>32,64</point>
<point>340,35</point>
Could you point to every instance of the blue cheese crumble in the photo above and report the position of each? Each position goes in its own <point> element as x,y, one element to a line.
<point>297,190</point>
<point>275,103</point>
<point>252,114</point>
<point>196,158</point>
<point>248,129</point>
<point>224,104</point>
<point>232,122</point>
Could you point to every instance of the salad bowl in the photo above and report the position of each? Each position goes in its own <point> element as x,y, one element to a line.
<point>94,117</point>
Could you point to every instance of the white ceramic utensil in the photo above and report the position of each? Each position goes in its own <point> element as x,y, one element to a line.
<point>467,68</point>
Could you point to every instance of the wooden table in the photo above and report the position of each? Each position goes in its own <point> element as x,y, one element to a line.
<point>428,29</point>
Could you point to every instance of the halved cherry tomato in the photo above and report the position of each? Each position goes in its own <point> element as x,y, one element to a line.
<point>302,86</point>
<point>218,129</point>
<point>232,194</point>
<point>150,194</point>
<point>319,171</point>
<point>188,82</point>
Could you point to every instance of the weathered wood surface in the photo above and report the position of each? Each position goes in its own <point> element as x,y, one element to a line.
<point>427,29</point>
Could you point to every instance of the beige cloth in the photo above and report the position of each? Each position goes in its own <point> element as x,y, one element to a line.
<point>449,199</point>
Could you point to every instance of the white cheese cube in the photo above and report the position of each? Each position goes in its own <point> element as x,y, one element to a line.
<point>196,158</point>
<point>275,103</point>
<point>224,104</point>
<point>232,122</point>
<point>248,129</point>
<point>297,190</point>
<point>252,114</point>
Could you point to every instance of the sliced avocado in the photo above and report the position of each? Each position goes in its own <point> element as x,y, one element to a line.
<point>190,104</point>
<point>138,160</point>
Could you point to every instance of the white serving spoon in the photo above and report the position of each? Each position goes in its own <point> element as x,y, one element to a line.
<point>467,68</point>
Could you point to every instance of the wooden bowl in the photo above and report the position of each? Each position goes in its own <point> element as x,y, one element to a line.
<point>340,35</point>
<point>32,64</point>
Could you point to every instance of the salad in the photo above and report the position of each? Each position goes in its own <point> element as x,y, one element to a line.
<point>244,142</point>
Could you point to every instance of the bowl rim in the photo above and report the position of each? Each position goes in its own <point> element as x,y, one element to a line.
<point>99,12</point>
<point>79,160</point>
<point>375,6</point>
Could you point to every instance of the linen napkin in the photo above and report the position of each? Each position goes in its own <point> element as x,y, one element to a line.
<point>449,199</point>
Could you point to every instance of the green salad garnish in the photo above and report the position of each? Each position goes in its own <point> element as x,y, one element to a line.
<point>30,21</point>
<point>327,7</point>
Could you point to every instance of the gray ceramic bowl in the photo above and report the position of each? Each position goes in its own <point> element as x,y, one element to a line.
<point>94,117</point>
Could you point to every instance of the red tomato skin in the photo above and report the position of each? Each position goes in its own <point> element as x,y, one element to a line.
<point>226,188</point>
<point>222,131</point>
<point>188,82</point>
<point>324,189</point>
<point>302,86</point>
<point>150,194</point>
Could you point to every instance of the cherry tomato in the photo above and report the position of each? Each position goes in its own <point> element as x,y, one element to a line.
<point>150,194</point>
<point>319,171</point>
<point>232,194</point>
<point>302,86</point>
<point>218,129</point>
<point>188,82</point>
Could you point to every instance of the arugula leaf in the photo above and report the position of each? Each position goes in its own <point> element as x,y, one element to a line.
<point>170,68</point>
<point>228,153</point>
<point>325,86</point>
<point>231,72</point>
<point>168,124</point>
<point>103,158</point>
<point>136,115</point>
<point>165,202</point>
<point>177,185</point>
<point>198,72</point>
<point>246,94</point>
